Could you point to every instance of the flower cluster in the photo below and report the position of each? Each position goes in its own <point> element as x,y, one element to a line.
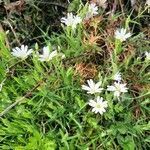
<point>92,10</point>
<point>71,20</point>
<point>99,104</point>
<point>23,53</point>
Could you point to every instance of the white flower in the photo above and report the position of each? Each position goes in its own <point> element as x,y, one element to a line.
<point>92,11</point>
<point>117,77</point>
<point>71,20</point>
<point>22,52</point>
<point>47,55</point>
<point>148,3</point>
<point>147,54</point>
<point>102,3</point>
<point>92,88</point>
<point>117,88</point>
<point>122,35</point>
<point>99,106</point>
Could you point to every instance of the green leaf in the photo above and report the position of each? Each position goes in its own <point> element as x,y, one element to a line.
<point>128,143</point>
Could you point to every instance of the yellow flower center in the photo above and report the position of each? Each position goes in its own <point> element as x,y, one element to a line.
<point>118,88</point>
<point>98,106</point>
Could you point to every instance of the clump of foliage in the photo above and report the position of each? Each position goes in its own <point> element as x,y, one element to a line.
<point>45,98</point>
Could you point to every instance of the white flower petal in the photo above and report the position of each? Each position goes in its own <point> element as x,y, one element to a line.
<point>53,54</point>
<point>111,88</point>
<point>47,56</point>
<point>92,103</point>
<point>84,87</point>
<point>117,77</point>
<point>91,83</point>
<point>147,54</point>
